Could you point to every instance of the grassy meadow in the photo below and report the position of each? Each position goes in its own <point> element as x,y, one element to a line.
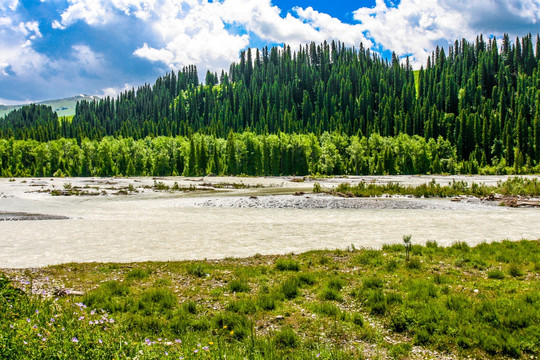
<point>404,301</point>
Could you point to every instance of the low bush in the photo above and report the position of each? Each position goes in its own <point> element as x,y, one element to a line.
<point>238,286</point>
<point>287,265</point>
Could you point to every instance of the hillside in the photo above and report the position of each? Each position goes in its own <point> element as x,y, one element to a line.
<point>62,107</point>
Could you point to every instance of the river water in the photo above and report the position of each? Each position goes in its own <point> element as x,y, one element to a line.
<point>165,226</point>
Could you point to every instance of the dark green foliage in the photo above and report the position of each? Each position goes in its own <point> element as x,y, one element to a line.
<point>413,264</point>
<point>137,274</point>
<point>515,271</point>
<point>266,302</point>
<point>475,109</point>
<point>287,265</point>
<point>238,286</point>
<point>286,338</point>
<point>496,274</point>
<point>197,269</point>
<point>289,288</point>
<point>246,306</point>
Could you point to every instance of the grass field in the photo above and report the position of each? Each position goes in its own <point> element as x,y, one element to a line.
<point>399,302</point>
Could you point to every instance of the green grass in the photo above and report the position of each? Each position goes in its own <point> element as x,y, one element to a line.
<point>512,187</point>
<point>480,302</point>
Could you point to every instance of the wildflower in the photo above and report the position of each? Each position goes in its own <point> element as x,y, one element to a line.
<point>159,339</point>
<point>74,339</point>
<point>319,355</point>
<point>195,351</point>
<point>24,342</point>
<point>93,312</point>
<point>11,326</point>
<point>111,320</point>
<point>232,332</point>
<point>37,311</point>
<point>224,326</point>
<point>81,318</point>
<point>166,353</point>
<point>211,343</point>
<point>28,320</point>
<point>206,348</point>
<point>91,322</point>
<point>99,341</point>
<point>34,327</point>
<point>178,341</point>
<point>44,339</point>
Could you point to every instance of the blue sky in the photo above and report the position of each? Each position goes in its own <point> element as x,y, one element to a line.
<point>58,48</point>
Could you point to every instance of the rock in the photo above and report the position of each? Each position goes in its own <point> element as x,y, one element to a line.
<point>280,318</point>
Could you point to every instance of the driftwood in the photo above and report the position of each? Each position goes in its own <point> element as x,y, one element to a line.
<point>513,201</point>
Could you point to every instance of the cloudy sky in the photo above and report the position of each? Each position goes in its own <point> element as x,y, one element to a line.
<point>58,48</point>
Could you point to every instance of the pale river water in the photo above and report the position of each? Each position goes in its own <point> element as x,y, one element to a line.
<point>174,226</point>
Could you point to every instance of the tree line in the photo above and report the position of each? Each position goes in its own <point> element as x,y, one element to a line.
<point>483,100</point>
<point>243,153</point>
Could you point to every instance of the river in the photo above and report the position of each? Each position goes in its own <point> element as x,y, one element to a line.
<point>230,222</point>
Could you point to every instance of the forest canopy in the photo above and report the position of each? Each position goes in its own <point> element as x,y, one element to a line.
<point>480,100</point>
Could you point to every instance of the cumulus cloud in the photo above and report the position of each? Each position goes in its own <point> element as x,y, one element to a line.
<point>199,31</point>
<point>9,4</point>
<point>16,38</point>
<point>415,27</point>
<point>93,12</point>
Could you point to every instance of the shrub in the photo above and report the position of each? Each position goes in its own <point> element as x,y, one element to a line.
<point>289,288</point>
<point>421,337</point>
<point>137,274</point>
<point>197,269</point>
<point>400,322</point>
<point>392,265</point>
<point>287,265</point>
<point>237,325</point>
<point>376,300</point>
<point>190,307</point>
<point>336,284</point>
<point>306,279</point>
<point>266,302</point>
<point>156,300</point>
<point>370,257</point>
<point>286,338</point>
<point>330,294</point>
<point>413,264</point>
<point>372,283</point>
<point>461,246</point>
<point>515,271</point>
<point>242,307</point>
<point>496,274</point>
<point>327,309</point>
<point>238,286</point>
<point>358,319</point>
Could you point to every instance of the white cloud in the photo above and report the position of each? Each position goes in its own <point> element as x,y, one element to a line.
<point>199,31</point>
<point>114,91</point>
<point>87,59</point>
<point>93,12</point>
<point>16,38</point>
<point>9,4</point>
<point>417,26</point>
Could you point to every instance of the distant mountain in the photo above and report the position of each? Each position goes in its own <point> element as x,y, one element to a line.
<point>63,107</point>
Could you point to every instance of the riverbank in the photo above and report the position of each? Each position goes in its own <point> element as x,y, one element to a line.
<point>442,303</point>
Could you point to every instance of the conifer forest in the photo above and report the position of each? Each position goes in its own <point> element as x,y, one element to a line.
<point>319,109</point>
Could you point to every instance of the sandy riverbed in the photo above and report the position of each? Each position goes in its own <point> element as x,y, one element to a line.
<point>125,220</point>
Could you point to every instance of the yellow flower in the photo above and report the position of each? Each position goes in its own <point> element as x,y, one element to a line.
<point>232,332</point>
<point>211,343</point>
<point>224,326</point>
